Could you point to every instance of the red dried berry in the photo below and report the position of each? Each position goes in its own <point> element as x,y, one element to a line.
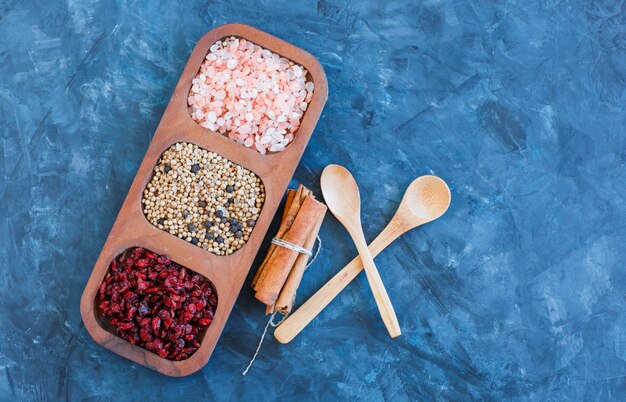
<point>143,309</point>
<point>186,317</point>
<point>163,259</point>
<point>162,352</point>
<point>156,324</point>
<point>145,335</point>
<point>115,307</point>
<point>124,326</point>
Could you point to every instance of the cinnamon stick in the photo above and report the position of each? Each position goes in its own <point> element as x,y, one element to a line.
<point>278,265</point>
<point>287,296</point>
<point>291,194</point>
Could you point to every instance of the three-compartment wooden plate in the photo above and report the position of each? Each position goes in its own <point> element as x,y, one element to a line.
<point>131,228</point>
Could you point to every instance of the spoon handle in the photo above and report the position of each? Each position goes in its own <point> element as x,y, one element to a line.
<point>299,319</point>
<point>385,308</point>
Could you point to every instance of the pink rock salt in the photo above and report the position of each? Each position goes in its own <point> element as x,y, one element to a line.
<point>250,94</point>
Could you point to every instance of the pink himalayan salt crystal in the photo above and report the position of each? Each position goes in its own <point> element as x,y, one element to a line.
<point>250,94</point>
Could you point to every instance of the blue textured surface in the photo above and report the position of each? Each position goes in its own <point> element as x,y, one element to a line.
<point>518,293</point>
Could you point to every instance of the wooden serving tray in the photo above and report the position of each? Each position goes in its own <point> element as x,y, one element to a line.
<point>228,273</point>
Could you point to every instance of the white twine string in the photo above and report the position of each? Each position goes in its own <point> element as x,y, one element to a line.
<point>258,348</point>
<point>291,246</point>
<point>319,247</point>
<point>271,322</point>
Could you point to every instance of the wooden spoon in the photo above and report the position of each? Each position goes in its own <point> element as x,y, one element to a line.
<point>426,199</point>
<point>342,197</point>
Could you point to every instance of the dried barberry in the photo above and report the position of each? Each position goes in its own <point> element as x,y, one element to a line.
<point>157,304</point>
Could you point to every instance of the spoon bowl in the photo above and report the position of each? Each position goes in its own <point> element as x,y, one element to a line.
<point>341,191</point>
<point>426,199</point>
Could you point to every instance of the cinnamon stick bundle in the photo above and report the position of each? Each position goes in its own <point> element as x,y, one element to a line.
<point>279,276</point>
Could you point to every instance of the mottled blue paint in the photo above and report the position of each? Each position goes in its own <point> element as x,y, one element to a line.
<point>517,294</point>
